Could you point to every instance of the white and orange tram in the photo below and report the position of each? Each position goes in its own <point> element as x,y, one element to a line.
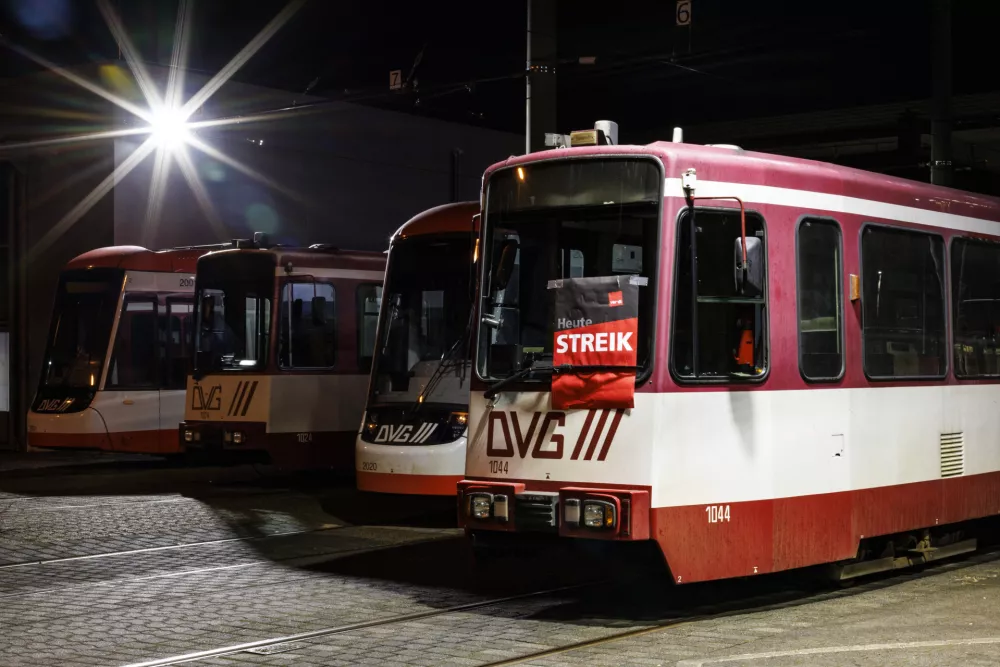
<point>118,352</point>
<point>283,346</point>
<point>816,360</point>
<point>413,437</point>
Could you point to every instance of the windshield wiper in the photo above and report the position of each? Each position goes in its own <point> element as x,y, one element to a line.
<point>448,361</point>
<point>498,386</point>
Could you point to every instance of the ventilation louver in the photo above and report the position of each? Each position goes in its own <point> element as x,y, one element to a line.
<point>952,454</point>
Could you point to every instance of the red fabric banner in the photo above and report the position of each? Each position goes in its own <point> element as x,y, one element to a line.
<point>597,324</point>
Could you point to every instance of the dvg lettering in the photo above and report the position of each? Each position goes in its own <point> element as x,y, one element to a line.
<point>542,436</point>
<point>404,433</point>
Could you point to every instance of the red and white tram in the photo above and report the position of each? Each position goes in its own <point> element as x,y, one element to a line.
<point>413,437</point>
<point>283,346</point>
<point>816,360</point>
<point>118,352</point>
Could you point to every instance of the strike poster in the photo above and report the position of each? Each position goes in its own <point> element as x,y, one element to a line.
<point>596,324</point>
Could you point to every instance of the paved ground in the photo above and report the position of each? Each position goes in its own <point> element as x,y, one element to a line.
<point>124,562</point>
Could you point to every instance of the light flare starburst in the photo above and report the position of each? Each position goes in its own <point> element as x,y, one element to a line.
<point>166,119</point>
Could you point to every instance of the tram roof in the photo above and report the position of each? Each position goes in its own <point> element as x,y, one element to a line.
<point>752,170</point>
<point>455,217</point>
<point>137,258</point>
<point>316,257</point>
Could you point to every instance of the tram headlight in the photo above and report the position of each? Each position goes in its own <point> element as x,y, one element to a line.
<point>598,514</point>
<point>371,424</point>
<point>480,505</point>
<point>237,438</point>
<point>188,435</point>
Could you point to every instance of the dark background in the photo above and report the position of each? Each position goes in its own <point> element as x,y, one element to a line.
<point>739,60</point>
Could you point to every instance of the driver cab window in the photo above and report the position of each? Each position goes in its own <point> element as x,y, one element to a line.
<point>520,316</point>
<point>307,335</point>
<point>720,304</point>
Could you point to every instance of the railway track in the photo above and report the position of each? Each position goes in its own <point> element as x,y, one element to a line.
<point>38,507</point>
<point>349,627</point>
<point>749,605</point>
<point>169,547</point>
<point>293,561</point>
<point>736,605</point>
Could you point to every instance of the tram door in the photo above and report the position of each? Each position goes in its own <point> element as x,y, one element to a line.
<point>130,404</point>
<point>144,391</point>
<point>177,333</point>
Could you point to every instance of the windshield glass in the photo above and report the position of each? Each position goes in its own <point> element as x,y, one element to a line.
<point>234,311</point>
<point>81,327</point>
<point>565,219</point>
<point>424,320</point>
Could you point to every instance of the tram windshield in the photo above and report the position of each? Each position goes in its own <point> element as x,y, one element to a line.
<point>563,219</point>
<point>234,294</point>
<point>424,349</point>
<point>81,327</point>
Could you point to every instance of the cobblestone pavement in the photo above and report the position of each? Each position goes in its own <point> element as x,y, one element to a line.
<point>208,559</point>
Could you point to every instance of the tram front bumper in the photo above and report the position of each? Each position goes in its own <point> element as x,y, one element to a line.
<point>426,470</point>
<point>593,513</point>
<point>195,436</point>
<point>76,430</point>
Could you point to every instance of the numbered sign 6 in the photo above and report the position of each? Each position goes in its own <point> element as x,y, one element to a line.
<point>683,12</point>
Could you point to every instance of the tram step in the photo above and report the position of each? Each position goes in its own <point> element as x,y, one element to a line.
<point>864,568</point>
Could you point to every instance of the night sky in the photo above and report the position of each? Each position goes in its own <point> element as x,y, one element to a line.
<point>739,60</point>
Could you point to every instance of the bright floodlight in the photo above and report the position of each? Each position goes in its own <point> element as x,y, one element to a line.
<point>169,128</point>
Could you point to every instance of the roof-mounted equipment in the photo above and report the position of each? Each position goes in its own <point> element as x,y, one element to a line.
<point>605,133</point>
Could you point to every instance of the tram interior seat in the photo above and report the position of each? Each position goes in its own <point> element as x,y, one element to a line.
<point>977,355</point>
<point>900,359</point>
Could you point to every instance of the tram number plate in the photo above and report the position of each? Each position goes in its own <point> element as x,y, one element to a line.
<point>717,513</point>
<point>498,467</point>
<point>369,465</point>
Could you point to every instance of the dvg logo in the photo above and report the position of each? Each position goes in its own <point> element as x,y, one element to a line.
<point>213,401</point>
<point>404,433</point>
<point>532,435</point>
<point>54,405</point>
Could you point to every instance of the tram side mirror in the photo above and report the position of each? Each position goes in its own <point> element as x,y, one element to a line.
<point>505,266</point>
<point>749,278</point>
<point>319,310</point>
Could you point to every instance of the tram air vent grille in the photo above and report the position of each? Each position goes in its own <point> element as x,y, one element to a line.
<point>536,511</point>
<point>952,454</point>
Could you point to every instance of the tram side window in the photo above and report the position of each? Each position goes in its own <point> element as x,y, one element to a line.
<point>719,330</point>
<point>821,326</point>
<point>307,336</point>
<point>180,342</point>
<point>975,298</point>
<point>135,355</point>
<point>369,305</point>
<point>902,303</point>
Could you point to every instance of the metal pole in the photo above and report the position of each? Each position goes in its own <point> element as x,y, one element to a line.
<point>540,79</point>
<point>527,88</point>
<point>941,121</point>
